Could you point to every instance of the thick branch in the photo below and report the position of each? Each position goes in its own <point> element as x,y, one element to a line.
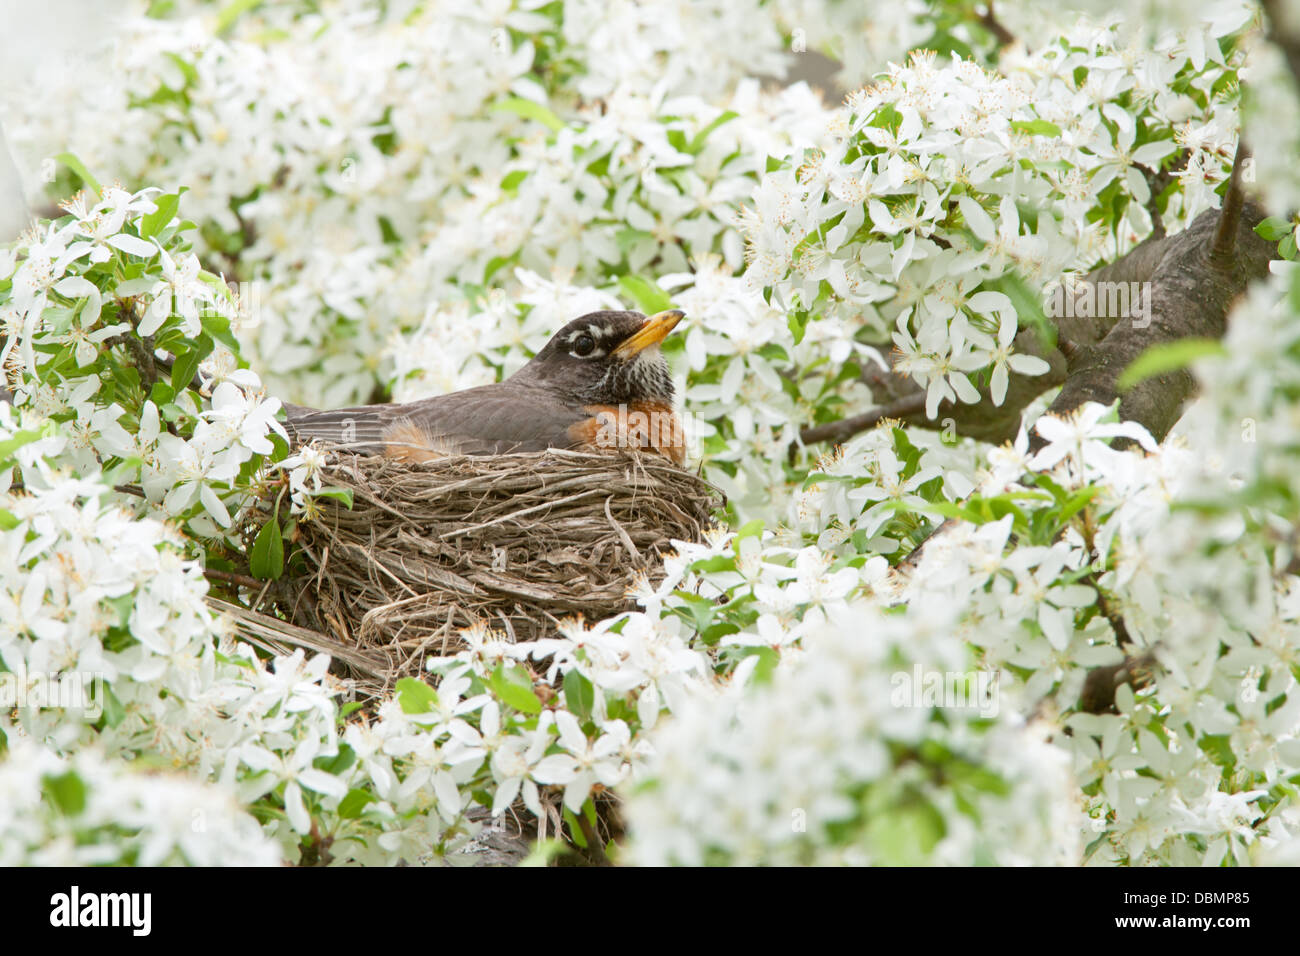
<point>1165,288</point>
<point>1189,292</point>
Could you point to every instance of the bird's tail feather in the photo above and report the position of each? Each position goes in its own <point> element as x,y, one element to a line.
<point>358,429</point>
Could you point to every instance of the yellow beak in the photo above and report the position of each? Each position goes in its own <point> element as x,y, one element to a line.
<point>654,331</point>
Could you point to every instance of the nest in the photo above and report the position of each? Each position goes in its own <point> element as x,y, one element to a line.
<point>514,542</point>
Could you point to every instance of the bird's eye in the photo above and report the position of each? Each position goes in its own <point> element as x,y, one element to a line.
<point>583,345</point>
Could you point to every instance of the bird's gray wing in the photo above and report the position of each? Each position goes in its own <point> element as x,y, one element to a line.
<point>488,420</point>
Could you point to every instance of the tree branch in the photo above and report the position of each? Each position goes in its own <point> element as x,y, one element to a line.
<point>989,21</point>
<point>142,356</point>
<point>1225,234</point>
<point>1190,293</point>
<point>230,577</point>
<point>1157,183</point>
<point>846,428</point>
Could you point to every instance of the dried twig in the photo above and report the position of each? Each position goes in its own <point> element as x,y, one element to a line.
<point>229,577</point>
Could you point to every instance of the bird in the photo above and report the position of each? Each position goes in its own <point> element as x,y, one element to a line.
<point>600,383</point>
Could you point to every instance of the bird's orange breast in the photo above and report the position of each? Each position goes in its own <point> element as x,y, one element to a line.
<point>636,426</point>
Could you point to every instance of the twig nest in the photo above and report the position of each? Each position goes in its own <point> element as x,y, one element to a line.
<point>513,542</point>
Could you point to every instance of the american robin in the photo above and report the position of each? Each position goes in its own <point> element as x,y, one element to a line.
<point>600,383</point>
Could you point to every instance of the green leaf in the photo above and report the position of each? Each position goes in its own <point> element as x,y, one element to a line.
<point>495,265</point>
<point>648,296</point>
<point>338,763</point>
<point>543,852</point>
<point>529,109</point>
<point>7,520</point>
<point>415,696</point>
<point>1036,127</point>
<point>798,323</point>
<point>715,564</point>
<point>66,791</point>
<point>627,238</point>
<point>235,661</point>
<point>512,180</point>
<point>156,221</point>
<point>767,661</point>
<point>184,369</point>
<point>186,67</point>
<point>232,12</point>
<point>1167,357</point>
<point>348,709</point>
<point>1077,501</point>
<point>908,834</point>
<point>575,829</point>
<point>697,143</point>
<point>123,604</point>
<point>513,686</point>
<point>887,117</point>
<point>114,711</point>
<point>1218,747</point>
<point>339,494</point>
<point>267,559</point>
<point>950,509</point>
<point>1274,228</point>
<point>161,394</point>
<point>579,695</point>
<point>701,609</point>
<point>19,438</point>
<point>350,806</point>
<point>218,327</point>
<point>78,167</point>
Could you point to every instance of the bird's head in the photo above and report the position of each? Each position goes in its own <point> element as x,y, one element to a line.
<point>607,358</point>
